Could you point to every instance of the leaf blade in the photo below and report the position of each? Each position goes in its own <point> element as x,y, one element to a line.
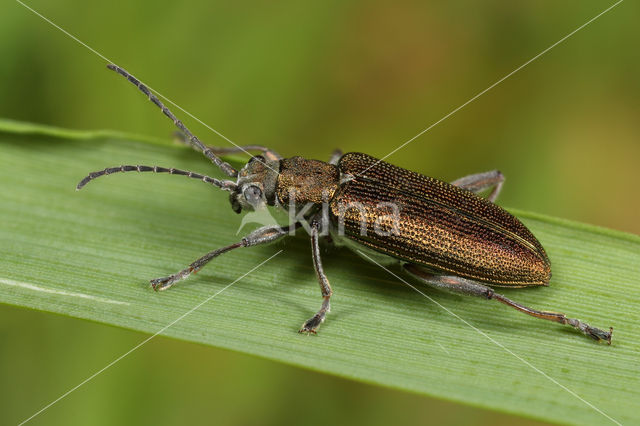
<point>90,255</point>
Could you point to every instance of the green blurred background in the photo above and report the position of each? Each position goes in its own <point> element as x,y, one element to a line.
<point>305,79</point>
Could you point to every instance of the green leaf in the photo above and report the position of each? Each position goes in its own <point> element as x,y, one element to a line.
<point>90,254</point>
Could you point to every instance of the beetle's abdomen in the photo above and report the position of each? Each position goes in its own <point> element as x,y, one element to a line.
<point>437,225</point>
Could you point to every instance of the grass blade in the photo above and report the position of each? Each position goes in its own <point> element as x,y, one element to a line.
<point>90,255</point>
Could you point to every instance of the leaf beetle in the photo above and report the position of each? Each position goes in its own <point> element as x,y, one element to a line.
<point>443,234</point>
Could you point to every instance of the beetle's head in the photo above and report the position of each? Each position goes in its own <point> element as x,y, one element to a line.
<point>256,185</point>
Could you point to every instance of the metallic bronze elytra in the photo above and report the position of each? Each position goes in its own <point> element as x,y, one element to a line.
<point>441,225</point>
<point>443,234</point>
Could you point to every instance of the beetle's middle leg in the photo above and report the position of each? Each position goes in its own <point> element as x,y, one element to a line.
<point>262,235</point>
<point>469,287</point>
<point>312,324</point>
<point>481,181</point>
<point>335,156</point>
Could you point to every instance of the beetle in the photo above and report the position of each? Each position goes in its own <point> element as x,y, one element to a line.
<point>443,234</point>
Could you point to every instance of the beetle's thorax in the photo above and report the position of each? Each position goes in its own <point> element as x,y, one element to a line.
<point>303,181</point>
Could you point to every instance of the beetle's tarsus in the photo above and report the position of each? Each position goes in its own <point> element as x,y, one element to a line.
<point>312,324</point>
<point>593,332</point>
<point>598,335</point>
<point>161,284</point>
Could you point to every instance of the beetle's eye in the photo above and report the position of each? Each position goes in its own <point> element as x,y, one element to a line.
<point>252,194</point>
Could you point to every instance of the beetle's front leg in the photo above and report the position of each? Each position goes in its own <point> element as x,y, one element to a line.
<point>481,181</point>
<point>262,235</point>
<point>312,324</point>
<point>469,287</point>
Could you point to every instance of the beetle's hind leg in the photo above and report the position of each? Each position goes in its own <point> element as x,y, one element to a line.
<point>481,181</point>
<point>469,287</point>
<point>262,235</point>
<point>218,150</point>
<point>312,324</point>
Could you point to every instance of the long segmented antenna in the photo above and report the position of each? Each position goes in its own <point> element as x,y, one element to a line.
<point>225,167</point>
<point>223,184</point>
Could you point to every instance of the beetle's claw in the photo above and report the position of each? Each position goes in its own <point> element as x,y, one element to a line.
<point>164,283</point>
<point>160,284</point>
<point>587,330</point>
<point>598,334</point>
<point>311,325</point>
<point>593,332</point>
